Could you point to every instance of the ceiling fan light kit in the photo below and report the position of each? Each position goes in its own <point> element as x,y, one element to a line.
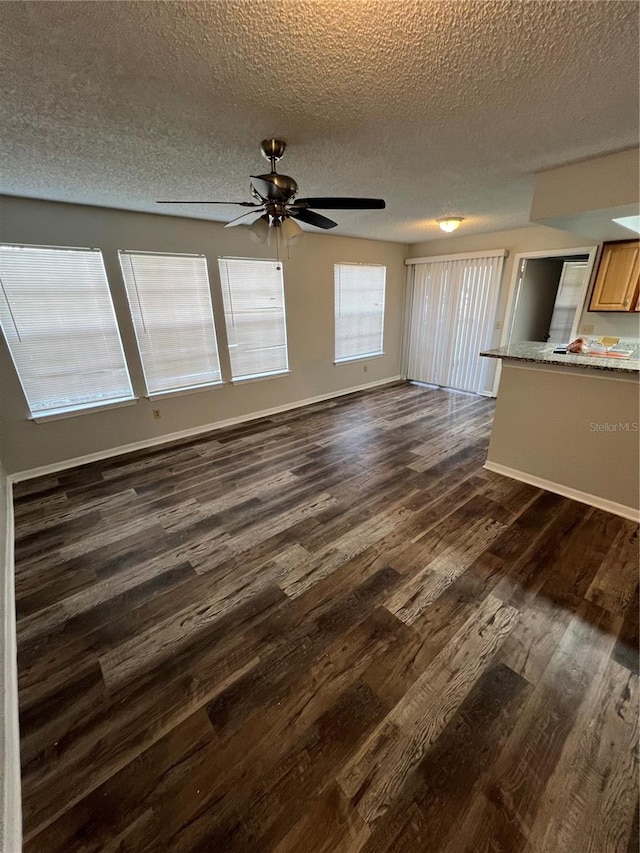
<point>291,231</point>
<point>259,229</point>
<point>275,205</point>
<point>450,223</point>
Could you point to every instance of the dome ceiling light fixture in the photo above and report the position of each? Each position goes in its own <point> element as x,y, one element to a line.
<point>275,205</point>
<point>450,223</point>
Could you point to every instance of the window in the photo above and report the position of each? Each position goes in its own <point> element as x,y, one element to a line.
<point>359,310</point>
<point>170,303</point>
<point>253,295</point>
<point>58,319</point>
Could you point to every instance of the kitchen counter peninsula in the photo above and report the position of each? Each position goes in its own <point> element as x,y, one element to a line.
<point>569,424</point>
<point>533,352</point>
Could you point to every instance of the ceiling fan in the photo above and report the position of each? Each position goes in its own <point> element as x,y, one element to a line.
<point>275,204</point>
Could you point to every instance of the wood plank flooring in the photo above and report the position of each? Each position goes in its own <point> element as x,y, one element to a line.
<point>329,630</point>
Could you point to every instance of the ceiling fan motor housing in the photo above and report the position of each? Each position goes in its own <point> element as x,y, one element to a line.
<point>276,187</point>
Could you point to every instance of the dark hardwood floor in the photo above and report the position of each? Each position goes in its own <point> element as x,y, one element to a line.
<point>329,630</point>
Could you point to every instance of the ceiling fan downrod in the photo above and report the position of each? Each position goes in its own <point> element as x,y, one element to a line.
<point>273,150</point>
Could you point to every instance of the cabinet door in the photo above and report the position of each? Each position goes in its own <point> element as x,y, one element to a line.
<point>616,284</point>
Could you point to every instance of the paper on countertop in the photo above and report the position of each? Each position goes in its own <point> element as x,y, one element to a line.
<point>620,353</point>
<point>600,347</point>
<point>605,347</point>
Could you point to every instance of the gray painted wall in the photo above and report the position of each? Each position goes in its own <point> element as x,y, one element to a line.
<point>562,425</point>
<point>309,287</point>
<point>3,645</point>
<point>10,812</point>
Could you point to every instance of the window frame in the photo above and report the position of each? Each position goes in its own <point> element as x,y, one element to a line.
<point>360,356</point>
<point>183,389</point>
<point>272,374</point>
<point>61,412</point>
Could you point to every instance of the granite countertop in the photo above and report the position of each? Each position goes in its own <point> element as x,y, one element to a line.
<point>540,353</point>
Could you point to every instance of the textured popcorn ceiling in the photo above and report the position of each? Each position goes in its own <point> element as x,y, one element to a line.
<point>438,107</point>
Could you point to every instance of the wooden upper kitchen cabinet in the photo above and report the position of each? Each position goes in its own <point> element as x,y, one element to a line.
<point>616,287</point>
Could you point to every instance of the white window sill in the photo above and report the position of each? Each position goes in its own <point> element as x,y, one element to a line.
<point>177,392</point>
<point>241,380</point>
<point>364,357</point>
<point>59,414</point>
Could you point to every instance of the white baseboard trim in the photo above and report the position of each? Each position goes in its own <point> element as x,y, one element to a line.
<point>188,433</point>
<point>566,491</point>
<point>11,805</point>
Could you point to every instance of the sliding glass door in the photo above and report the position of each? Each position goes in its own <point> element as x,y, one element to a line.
<point>453,314</point>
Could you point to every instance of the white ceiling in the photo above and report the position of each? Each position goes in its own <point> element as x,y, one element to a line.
<point>438,107</point>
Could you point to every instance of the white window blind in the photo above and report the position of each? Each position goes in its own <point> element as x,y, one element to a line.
<point>253,293</point>
<point>359,310</point>
<point>453,312</point>
<point>58,319</point>
<point>170,303</point>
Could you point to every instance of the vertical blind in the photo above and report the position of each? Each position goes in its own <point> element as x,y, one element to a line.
<point>359,310</point>
<point>453,312</point>
<point>253,294</point>
<point>58,319</point>
<point>170,303</point>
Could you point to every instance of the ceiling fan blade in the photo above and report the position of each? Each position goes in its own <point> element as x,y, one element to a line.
<point>191,201</point>
<point>263,186</point>
<point>274,188</point>
<point>342,203</point>
<point>313,219</point>
<point>245,219</point>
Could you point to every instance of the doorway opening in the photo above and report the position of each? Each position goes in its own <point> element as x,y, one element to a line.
<point>547,296</point>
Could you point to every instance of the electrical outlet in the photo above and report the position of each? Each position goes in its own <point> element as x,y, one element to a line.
<point>587,330</point>
<point>365,368</point>
<point>498,325</point>
<point>156,413</point>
